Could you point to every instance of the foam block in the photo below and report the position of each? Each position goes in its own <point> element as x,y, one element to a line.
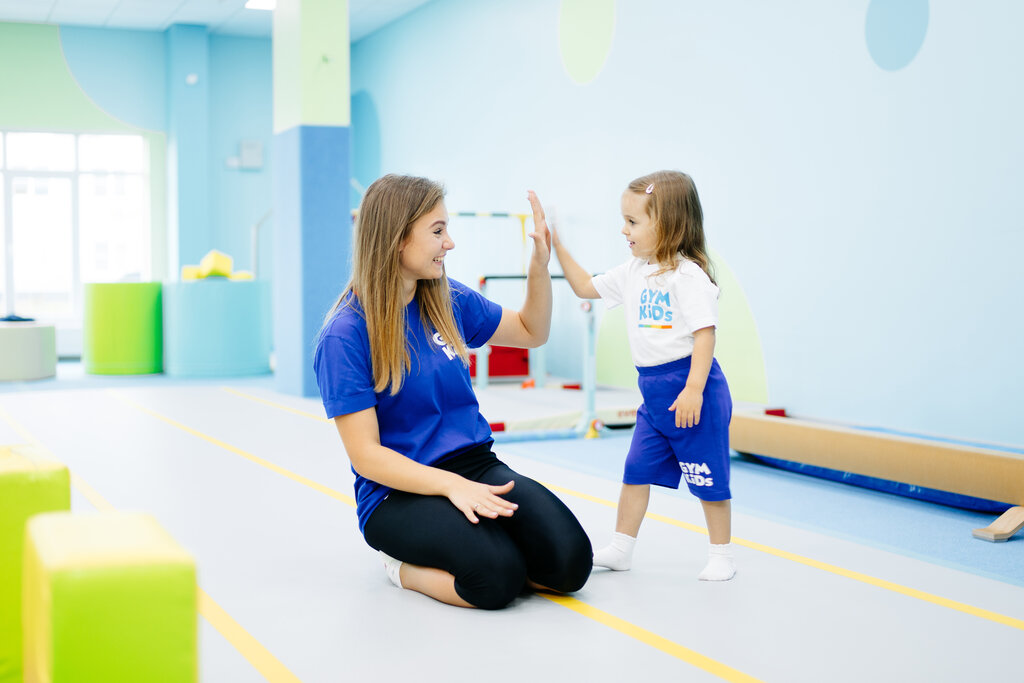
<point>242,275</point>
<point>122,331</point>
<point>29,484</point>
<point>107,597</point>
<point>215,264</point>
<point>189,273</point>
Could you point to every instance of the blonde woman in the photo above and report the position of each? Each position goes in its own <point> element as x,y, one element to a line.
<point>449,519</point>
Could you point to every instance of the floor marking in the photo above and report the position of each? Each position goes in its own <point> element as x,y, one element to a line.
<point>269,666</point>
<point>274,404</point>
<point>824,566</point>
<point>316,486</point>
<point>650,638</point>
<point>625,627</point>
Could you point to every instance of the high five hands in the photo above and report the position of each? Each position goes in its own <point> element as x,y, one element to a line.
<point>541,235</point>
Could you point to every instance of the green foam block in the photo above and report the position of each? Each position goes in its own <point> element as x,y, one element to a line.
<point>29,484</point>
<point>107,597</point>
<point>123,328</point>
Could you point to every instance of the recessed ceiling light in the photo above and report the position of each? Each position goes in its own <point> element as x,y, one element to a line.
<point>260,4</point>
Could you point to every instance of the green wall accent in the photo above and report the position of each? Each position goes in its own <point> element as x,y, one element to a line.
<point>37,90</point>
<point>585,31</point>
<point>737,346</point>
<point>311,64</point>
<point>737,343</point>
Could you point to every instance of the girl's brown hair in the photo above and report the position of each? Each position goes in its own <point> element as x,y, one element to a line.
<point>389,208</point>
<point>674,207</point>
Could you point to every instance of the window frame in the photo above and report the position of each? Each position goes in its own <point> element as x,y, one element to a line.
<point>73,319</point>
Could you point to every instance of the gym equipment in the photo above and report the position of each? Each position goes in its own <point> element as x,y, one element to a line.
<point>123,329</point>
<point>29,484</point>
<point>107,597</point>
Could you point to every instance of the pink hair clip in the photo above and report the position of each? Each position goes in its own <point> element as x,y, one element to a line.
<point>650,189</point>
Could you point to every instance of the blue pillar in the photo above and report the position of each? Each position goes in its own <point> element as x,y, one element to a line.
<point>312,219</point>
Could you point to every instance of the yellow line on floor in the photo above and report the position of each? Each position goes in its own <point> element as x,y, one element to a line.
<point>275,404</point>
<point>800,559</point>
<point>269,666</point>
<point>316,486</point>
<point>650,638</point>
<point>824,566</point>
<point>625,627</point>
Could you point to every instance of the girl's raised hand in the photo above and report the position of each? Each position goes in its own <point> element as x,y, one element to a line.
<point>541,235</point>
<point>473,498</point>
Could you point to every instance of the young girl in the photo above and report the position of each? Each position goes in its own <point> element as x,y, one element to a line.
<point>671,299</point>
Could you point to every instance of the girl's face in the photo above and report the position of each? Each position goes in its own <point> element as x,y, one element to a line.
<point>421,254</point>
<point>639,229</point>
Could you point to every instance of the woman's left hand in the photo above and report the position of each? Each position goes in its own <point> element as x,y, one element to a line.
<point>687,407</point>
<point>541,235</point>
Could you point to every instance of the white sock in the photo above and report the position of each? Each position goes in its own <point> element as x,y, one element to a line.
<point>392,568</point>
<point>720,566</point>
<point>618,555</point>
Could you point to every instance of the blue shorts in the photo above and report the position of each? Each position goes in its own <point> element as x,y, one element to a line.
<point>662,453</point>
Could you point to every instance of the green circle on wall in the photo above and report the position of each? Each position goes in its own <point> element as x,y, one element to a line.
<point>585,29</point>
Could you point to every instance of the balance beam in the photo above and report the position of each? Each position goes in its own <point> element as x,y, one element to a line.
<point>966,470</point>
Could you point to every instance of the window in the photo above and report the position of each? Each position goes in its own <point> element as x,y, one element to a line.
<point>74,208</point>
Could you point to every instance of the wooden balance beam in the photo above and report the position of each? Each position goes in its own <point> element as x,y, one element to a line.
<point>966,470</point>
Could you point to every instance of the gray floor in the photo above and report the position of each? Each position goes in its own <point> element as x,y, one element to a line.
<point>256,485</point>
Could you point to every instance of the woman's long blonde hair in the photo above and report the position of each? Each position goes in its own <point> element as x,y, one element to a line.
<point>389,208</point>
<point>673,205</point>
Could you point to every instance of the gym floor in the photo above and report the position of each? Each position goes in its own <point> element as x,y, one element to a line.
<point>834,583</point>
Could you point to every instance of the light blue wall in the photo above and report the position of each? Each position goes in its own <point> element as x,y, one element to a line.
<point>240,109</point>
<point>123,72</point>
<point>859,167</point>
<point>129,75</point>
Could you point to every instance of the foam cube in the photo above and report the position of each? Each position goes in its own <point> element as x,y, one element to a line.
<point>29,484</point>
<point>215,264</point>
<point>107,597</point>
<point>189,273</point>
<point>242,275</point>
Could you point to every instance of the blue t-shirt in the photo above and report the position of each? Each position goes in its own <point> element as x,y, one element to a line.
<point>435,412</point>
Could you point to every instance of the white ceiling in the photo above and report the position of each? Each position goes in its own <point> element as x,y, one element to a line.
<point>220,16</point>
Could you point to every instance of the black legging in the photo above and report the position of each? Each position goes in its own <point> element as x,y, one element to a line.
<point>491,561</point>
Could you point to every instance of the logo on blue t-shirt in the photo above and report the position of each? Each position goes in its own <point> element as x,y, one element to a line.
<point>655,309</point>
<point>444,345</point>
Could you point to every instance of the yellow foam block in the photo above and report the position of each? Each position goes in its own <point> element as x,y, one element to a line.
<point>215,264</point>
<point>29,484</point>
<point>189,273</point>
<point>107,597</point>
<point>241,275</point>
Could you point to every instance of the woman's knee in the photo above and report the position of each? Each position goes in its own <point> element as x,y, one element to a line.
<point>492,585</point>
<point>570,565</point>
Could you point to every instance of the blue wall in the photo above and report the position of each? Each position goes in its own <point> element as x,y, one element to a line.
<point>125,73</point>
<point>240,109</point>
<point>859,165</point>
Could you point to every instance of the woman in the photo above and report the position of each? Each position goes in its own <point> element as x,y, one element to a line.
<point>450,520</point>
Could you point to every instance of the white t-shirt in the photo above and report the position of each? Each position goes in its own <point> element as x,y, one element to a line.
<point>662,312</point>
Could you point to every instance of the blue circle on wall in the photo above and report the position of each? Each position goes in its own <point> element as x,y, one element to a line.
<point>365,145</point>
<point>895,31</point>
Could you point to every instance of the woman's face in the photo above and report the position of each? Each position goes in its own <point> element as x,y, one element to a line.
<point>421,254</point>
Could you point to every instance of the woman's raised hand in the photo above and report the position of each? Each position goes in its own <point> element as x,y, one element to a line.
<point>541,235</point>
<point>474,498</point>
